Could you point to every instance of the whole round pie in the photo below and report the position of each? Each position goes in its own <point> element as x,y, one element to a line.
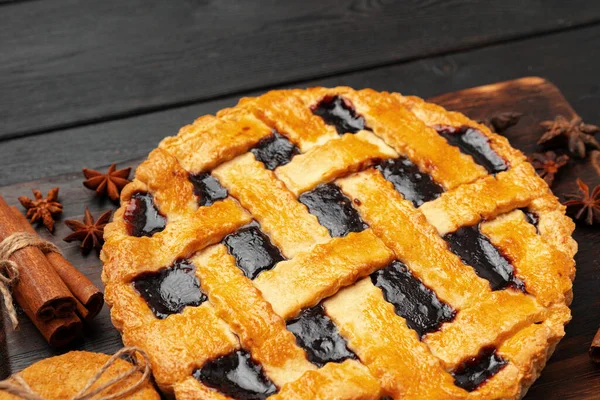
<point>339,244</point>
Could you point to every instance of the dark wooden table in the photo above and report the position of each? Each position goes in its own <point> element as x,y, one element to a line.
<point>87,83</point>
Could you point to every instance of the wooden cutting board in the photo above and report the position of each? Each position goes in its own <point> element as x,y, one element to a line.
<point>568,375</point>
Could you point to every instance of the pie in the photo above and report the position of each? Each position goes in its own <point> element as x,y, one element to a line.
<point>339,244</point>
<point>63,377</point>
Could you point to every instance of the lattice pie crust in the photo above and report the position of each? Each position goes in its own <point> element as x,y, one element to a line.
<point>514,329</point>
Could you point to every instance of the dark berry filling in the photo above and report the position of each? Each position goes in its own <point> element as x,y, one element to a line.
<point>414,185</point>
<point>274,150</point>
<point>339,112</point>
<point>207,188</point>
<point>253,251</point>
<point>170,290</point>
<point>476,370</point>
<point>412,300</point>
<point>476,250</point>
<point>333,210</point>
<point>142,216</point>
<point>317,334</point>
<point>473,142</point>
<point>531,217</point>
<point>236,375</point>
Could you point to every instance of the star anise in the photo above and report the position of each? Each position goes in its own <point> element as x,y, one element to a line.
<point>42,209</point>
<point>90,233</point>
<point>111,183</point>
<point>502,121</point>
<point>584,204</point>
<point>547,164</point>
<point>577,134</point>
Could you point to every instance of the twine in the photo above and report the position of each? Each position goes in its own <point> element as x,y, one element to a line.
<point>17,386</point>
<point>9,270</point>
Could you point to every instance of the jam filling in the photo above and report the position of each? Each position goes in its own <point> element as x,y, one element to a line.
<point>317,334</point>
<point>333,210</point>
<point>170,290</point>
<point>476,370</point>
<point>473,142</point>
<point>252,249</point>
<point>476,250</point>
<point>408,180</point>
<point>531,217</point>
<point>236,375</point>
<point>142,216</point>
<point>207,188</point>
<point>274,150</point>
<point>412,300</point>
<point>339,112</point>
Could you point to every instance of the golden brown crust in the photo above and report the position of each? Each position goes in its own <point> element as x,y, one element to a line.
<point>290,115</point>
<point>348,380</point>
<point>338,157</point>
<point>251,314</point>
<point>554,226</point>
<point>408,135</point>
<point>251,318</point>
<point>488,323</point>
<point>495,195</point>
<point>432,114</point>
<point>546,270</point>
<point>62,377</point>
<point>199,147</point>
<point>320,273</point>
<point>288,223</point>
<point>404,366</point>
<point>420,247</point>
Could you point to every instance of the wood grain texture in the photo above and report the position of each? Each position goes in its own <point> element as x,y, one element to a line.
<point>571,60</point>
<point>568,375</point>
<point>67,62</point>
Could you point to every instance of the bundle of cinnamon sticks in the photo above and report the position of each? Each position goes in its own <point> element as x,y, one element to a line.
<point>51,291</point>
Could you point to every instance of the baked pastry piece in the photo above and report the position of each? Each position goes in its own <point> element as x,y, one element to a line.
<point>339,244</point>
<point>62,377</point>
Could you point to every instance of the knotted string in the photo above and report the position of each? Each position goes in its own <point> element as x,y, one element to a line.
<point>17,386</point>
<point>9,270</point>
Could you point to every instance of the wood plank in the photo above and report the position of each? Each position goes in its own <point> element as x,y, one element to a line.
<point>555,57</point>
<point>68,62</point>
<point>569,374</point>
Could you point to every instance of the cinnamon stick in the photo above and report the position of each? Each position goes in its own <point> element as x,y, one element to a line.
<point>39,289</point>
<point>85,292</point>
<point>57,332</point>
<point>595,348</point>
<point>83,312</point>
<point>88,296</point>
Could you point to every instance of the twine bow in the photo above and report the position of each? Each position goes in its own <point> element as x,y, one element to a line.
<point>17,386</point>
<point>9,270</point>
